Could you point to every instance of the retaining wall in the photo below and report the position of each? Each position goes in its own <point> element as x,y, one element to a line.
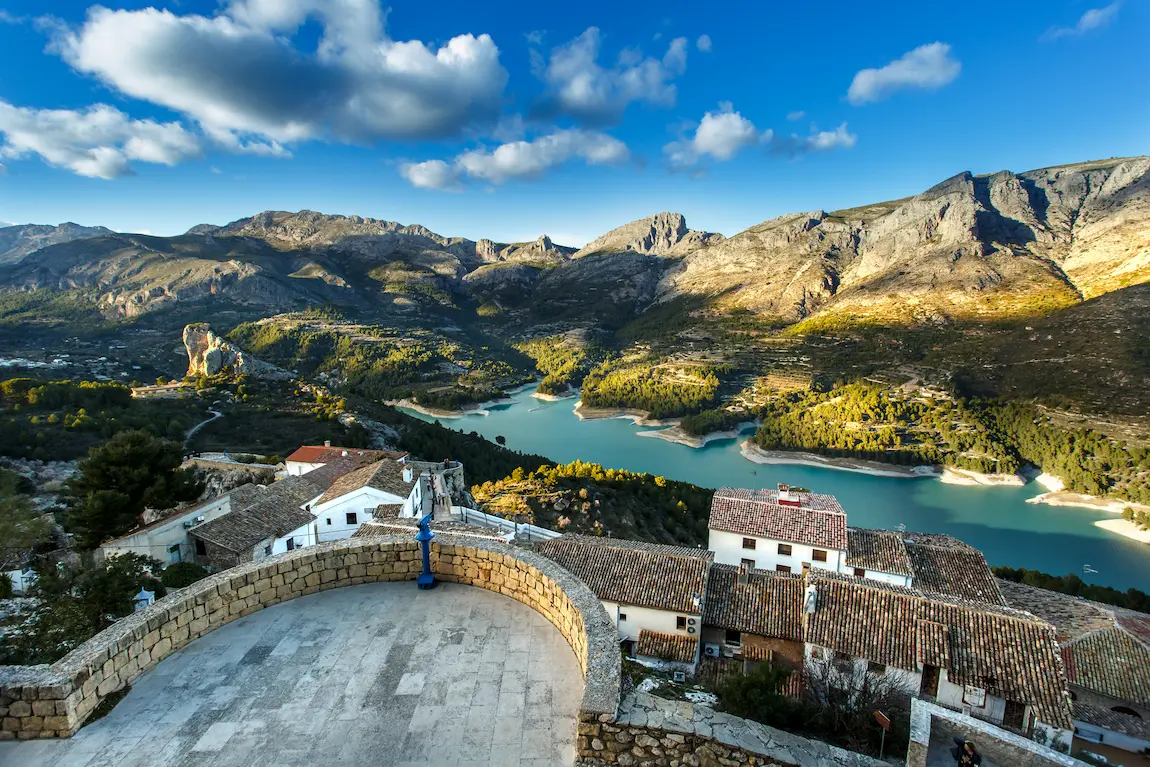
<point>53,701</point>
<point>651,731</point>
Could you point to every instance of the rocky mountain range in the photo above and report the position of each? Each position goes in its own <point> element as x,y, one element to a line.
<point>16,242</point>
<point>969,247</point>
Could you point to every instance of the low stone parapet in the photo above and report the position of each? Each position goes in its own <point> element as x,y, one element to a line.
<point>651,731</point>
<point>53,701</point>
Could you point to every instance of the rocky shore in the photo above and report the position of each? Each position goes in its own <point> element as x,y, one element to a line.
<point>638,417</point>
<point>755,454</point>
<point>678,436</point>
<point>953,476</point>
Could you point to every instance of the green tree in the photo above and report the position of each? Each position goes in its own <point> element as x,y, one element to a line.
<point>22,526</point>
<point>181,574</point>
<point>118,479</point>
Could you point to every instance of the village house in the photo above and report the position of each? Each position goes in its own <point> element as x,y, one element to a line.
<point>1106,654</point>
<point>653,593</point>
<point>782,530</point>
<point>752,617</point>
<point>352,499</point>
<point>309,457</point>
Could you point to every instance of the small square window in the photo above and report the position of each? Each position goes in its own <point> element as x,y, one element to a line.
<point>748,562</point>
<point>268,550</point>
<point>782,568</point>
<point>290,544</point>
<point>748,543</point>
<point>622,616</point>
<point>785,549</point>
<point>860,572</point>
<point>329,521</point>
<point>878,669</point>
<point>818,555</point>
<point>733,638</point>
<point>352,518</point>
<point>681,623</point>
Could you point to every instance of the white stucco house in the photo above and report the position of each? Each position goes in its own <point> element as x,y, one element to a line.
<point>311,457</point>
<point>780,530</point>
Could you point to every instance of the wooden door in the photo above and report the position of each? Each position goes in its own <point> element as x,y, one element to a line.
<point>929,687</point>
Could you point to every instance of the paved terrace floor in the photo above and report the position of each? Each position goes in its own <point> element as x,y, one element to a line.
<point>378,674</point>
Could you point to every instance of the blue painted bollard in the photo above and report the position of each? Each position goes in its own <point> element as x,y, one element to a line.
<point>426,579</point>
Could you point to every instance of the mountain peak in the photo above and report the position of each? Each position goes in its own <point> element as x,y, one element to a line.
<point>658,235</point>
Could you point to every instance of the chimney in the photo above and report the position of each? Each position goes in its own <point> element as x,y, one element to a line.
<point>327,443</point>
<point>810,598</point>
<point>744,574</point>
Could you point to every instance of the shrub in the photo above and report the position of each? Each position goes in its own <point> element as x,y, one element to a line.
<point>182,574</point>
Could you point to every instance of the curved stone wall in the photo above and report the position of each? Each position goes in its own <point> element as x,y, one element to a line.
<point>53,701</point>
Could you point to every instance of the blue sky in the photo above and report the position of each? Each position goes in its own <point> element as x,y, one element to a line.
<point>508,120</point>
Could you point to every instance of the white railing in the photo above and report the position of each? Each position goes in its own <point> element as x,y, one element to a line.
<point>530,532</point>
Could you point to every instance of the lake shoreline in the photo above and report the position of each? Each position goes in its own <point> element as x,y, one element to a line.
<point>1124,528</point>
<point>952,476</point>
<point>679,437</point>
<point>554,397</point>
<point>638,417</point>
<point>756,454</point>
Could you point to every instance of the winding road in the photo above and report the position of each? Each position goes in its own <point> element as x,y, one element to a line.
<point>192,431</point>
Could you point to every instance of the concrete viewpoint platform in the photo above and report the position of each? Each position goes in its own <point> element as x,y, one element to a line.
<point>375,674</point>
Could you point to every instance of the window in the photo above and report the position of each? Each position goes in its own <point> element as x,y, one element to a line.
<point>681,623</point>
<point>782,568</point>
<point>329,521</point>
<point>733,638</point>
<point>290,544</point>
<point>201,549</point>
<point>352,518</point>
<point>268,550</point>
<point>878,669</point>
<point>818,555</point>
<point>818,653</point>
<point>842,657</point>
<point>784,549</point>
<point>622,616</point>
<point>748,562</point>
<point>748,543</point>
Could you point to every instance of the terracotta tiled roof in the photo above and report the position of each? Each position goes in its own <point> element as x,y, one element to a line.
<point>1009,653</point>
<point>817,521</point>
<point>1113,662</point>
<point>670,578</point>
<point>267,511</point>
<point>673,647</point>
<point>946,565</point>
<point>326,454</point>
<point>769,604</point>
<point>1134,726</point>
<point>1071,616</point>
<point>385,475</point>
<point>881,550</point>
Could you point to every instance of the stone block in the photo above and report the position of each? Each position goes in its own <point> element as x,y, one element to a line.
<point>20,708</point>
<point>44,708</point>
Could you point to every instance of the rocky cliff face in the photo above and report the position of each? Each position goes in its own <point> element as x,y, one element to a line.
<point>969,246</point>
<point>209,354</point>
<point>16,242</point>
<point>659,235</point>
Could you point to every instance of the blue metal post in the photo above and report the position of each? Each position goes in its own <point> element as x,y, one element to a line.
<point>425,580</point>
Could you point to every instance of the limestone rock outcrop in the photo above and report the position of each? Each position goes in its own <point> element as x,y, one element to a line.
<point>209,354</point>
<point>662,234</point>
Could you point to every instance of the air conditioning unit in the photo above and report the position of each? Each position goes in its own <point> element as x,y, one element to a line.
<point>711,650</point>
<point>691,629</point>
<point>690,621</point>
<point>679,677</point>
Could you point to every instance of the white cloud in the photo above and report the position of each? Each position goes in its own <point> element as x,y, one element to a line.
<point>578,86</point>
<point>240,77</point>
<point>838,138</point>
<point>796,115</point>
<point>517,160</point>
<point>1095,18</point>
<point>535,36</point>
<point>215,171</point>
<point>99,141</point>
<point>720,136</point>
<point>927,67</point>
<point>432,174</point>
<point>703,43</point>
